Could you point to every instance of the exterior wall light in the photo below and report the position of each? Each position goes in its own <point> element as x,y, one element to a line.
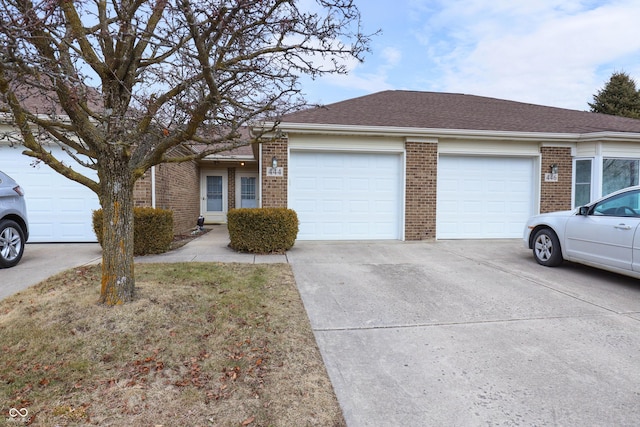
<point>554,169</point>
<point>274,162</point>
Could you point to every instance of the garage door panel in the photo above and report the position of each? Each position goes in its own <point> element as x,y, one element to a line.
<point>332,184</point>
<point>359,207</point>
<point>496,208</point>
<point>483,197</point>
<point>358,195</point>
<point>358,184</point>
<point>308,184</point>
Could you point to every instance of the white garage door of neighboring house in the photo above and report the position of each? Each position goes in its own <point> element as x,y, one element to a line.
<point>483,197</point>
<point>346,196</point>
<point>59,209</point>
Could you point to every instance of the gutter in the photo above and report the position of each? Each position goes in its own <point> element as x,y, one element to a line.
<point>391,131</point>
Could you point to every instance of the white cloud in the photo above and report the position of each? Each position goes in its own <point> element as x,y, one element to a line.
<point>551,56</point>
<point>551,52</point>
<point>358,80</point>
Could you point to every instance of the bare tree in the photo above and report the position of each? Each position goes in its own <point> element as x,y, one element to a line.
<point>128,81</point>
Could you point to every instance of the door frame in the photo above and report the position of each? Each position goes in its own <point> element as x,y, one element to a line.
<point>214,217</point>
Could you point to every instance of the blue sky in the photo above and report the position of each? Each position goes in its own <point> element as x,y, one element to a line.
<point>549,52</point>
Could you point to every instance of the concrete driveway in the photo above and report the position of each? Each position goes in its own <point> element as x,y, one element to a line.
<point>42,260</point>
<point>470,333</point>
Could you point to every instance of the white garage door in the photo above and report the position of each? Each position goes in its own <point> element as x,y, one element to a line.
<point>483,197</point>
<point>346,196</point>
<point>59,209</point>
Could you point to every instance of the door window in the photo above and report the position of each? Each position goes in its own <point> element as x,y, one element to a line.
<point>248,192</point>
<point>214,193</point>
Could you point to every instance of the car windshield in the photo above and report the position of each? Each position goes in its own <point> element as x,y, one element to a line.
<point>625,204</point>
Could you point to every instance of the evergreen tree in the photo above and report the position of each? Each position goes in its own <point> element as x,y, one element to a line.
<point>619,97</point>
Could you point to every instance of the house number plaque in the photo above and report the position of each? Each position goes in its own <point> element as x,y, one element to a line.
<point>275,171</point>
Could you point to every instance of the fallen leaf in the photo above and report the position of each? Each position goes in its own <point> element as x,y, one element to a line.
<point>248,421</point>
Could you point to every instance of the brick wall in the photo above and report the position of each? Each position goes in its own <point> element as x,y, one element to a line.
<point>422,175</point>
<point>556,196</point>
<point>231,188</point>
<point>142,191</point>
<point>177,189</point>
<point>274,188</point>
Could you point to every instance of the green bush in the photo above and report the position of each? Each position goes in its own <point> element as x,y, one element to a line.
<point>262,230</point>
<point>152,230</point>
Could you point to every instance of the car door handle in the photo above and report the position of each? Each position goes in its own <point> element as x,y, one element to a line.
<point>622,227</point>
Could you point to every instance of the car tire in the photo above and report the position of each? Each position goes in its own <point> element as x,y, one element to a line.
<point>11,243</point>
<point>546,248</point>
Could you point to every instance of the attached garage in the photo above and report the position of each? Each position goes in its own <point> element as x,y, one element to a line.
<point>346,195</point>
<point>59,209</point>
<point>484,197</point>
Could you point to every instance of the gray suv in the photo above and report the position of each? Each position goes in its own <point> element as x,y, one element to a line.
<point>14,227</point>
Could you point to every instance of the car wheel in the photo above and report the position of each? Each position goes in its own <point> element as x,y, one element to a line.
<point>546,248</point>
<point>11,243</point>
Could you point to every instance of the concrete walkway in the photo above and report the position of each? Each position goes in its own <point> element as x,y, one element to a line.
<point>211,247</point>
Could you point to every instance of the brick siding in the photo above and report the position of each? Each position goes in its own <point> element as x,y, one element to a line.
<point>274,188</point>
<point>231,188</point>
<point>142,191</point>
<point>556,196</point>
<point>422,175</point>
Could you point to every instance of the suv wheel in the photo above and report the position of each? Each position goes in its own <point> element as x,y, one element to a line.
<point>11,243</point>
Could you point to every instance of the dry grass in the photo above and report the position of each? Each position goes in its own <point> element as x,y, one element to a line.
<point>202,345</point>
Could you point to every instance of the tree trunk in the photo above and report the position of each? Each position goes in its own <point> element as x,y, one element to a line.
<point>118,283</point>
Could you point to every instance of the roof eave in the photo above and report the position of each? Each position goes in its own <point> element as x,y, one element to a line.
<point>405,132</point>
<point>239,158</point>
<point>353,130</point>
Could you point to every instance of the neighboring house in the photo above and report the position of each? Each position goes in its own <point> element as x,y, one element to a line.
<point>60,210</point>
<point>418,165</point>
<point>395,165</point>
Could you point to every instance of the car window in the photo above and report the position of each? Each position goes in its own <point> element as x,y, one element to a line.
<point>626,204</point>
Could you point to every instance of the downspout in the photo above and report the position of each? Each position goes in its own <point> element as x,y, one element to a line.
<point>153,187</point>
<point>260,175</point>
<point>251,135</point>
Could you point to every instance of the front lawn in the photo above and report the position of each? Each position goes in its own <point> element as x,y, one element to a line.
<point>203,344</point>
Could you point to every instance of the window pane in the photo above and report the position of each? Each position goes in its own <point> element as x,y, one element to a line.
<point>618,173</point>
<point>214,194</point>
<point>583,182</point>
<point>583,194</point>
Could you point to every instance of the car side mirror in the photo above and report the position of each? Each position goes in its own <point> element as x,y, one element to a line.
<point>584,210</point>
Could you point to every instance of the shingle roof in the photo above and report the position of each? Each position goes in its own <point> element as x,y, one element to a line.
<point>432,110</point>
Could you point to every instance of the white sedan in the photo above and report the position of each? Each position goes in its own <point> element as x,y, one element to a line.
<point>602,234</point>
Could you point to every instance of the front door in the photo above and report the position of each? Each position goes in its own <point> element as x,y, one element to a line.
<point>214,196</point>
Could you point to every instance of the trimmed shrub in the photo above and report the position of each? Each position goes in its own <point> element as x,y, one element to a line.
<point>152,230</point>
<point>262,230</point>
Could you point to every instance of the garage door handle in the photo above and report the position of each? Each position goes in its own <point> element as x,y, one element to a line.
<point>622,227</point>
